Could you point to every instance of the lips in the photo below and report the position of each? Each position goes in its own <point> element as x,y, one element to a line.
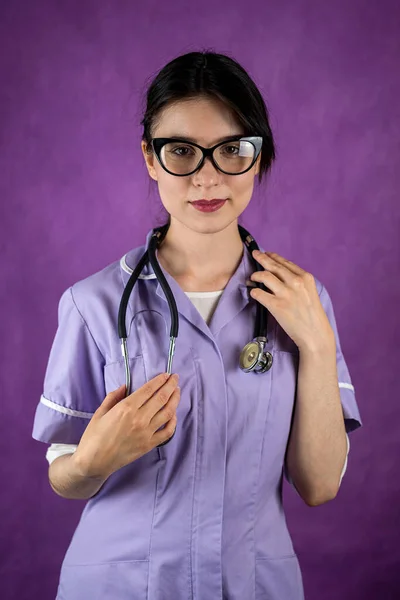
<point>208,202</point>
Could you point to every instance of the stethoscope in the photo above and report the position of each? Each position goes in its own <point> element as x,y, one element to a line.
<point>252,357</point>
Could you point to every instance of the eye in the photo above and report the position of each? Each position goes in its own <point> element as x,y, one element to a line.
<point>182,150</point>
<point>230,150</point>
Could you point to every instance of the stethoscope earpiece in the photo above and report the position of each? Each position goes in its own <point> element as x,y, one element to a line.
<point>253,357</point>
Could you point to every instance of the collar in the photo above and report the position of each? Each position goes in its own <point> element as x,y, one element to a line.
<point>233,299</point>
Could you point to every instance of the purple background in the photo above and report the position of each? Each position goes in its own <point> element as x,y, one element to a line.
<point>75,196</point>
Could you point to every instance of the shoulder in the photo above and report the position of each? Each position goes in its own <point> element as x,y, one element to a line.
<point>99,294</point>
<point>99,286</point>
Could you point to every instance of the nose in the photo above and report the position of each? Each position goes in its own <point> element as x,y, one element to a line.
<point>207,175</point>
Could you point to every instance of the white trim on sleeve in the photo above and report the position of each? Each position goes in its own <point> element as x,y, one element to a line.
<point>65,411</point>
<point>347,386</point>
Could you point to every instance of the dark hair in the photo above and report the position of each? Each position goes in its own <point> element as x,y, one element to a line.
<point>214,75</point>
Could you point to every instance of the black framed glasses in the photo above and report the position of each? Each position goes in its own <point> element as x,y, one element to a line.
<point>181,157</point>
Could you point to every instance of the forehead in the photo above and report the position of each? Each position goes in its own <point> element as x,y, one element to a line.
<point>203,120</point>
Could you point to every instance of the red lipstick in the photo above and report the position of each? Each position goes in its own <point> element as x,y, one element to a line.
<point>209,205</point>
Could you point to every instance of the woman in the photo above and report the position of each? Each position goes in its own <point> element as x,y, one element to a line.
<point>184,481</point>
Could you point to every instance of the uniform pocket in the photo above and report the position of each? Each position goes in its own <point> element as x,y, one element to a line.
<point>116,581</point>
<point>114,374</point>
<point>279,579</point>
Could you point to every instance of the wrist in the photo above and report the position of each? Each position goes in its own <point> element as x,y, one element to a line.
<point>83,468</point>
<point>321,347</point>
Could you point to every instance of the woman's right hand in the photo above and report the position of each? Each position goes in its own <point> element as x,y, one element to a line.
<point>124,429</point>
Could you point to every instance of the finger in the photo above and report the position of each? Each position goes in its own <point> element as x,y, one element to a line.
<point>146,391</point>
<point>270,280</point>
<point>166,433</point>
<point>287,263</point>
<point>278,269</point>
<point>111,400</point>
<point>265,298</point>
<point>167,412</point>
<point>160,398</point>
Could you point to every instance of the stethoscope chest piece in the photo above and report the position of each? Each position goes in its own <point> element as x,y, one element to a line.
<point>253,357</point>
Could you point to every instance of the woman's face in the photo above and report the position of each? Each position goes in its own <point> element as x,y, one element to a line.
<point>204,121</point>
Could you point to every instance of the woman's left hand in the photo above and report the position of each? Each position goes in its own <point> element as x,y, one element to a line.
<point>293,300</point>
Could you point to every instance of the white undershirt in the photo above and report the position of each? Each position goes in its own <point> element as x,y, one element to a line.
<point>206,303</point>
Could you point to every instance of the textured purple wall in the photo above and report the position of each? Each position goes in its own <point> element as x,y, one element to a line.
<point>75,196</point>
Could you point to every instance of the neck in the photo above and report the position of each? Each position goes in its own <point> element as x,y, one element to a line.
<point>201,261</point>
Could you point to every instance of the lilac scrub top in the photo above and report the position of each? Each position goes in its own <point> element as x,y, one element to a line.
<point>200,518</point>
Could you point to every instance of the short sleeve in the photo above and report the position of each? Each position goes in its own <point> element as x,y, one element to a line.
<point>74,379</point>
<point>351,414</point>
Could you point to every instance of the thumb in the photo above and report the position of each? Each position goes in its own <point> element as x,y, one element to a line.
<point>111,400</point>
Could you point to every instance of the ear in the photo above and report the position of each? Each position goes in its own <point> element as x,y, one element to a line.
<point>257,165</point>
<point>149,158</point>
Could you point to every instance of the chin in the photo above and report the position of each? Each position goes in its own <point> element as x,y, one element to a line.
<point>215,225</point>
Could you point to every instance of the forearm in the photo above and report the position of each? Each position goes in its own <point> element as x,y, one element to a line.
<point>317,446</point>
<point>67,479</point>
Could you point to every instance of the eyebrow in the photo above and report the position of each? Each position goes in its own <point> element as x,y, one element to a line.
<point>192,140</point>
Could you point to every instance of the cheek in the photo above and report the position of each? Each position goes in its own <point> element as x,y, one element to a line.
<point>172,190</point>
<point>242,188</point>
